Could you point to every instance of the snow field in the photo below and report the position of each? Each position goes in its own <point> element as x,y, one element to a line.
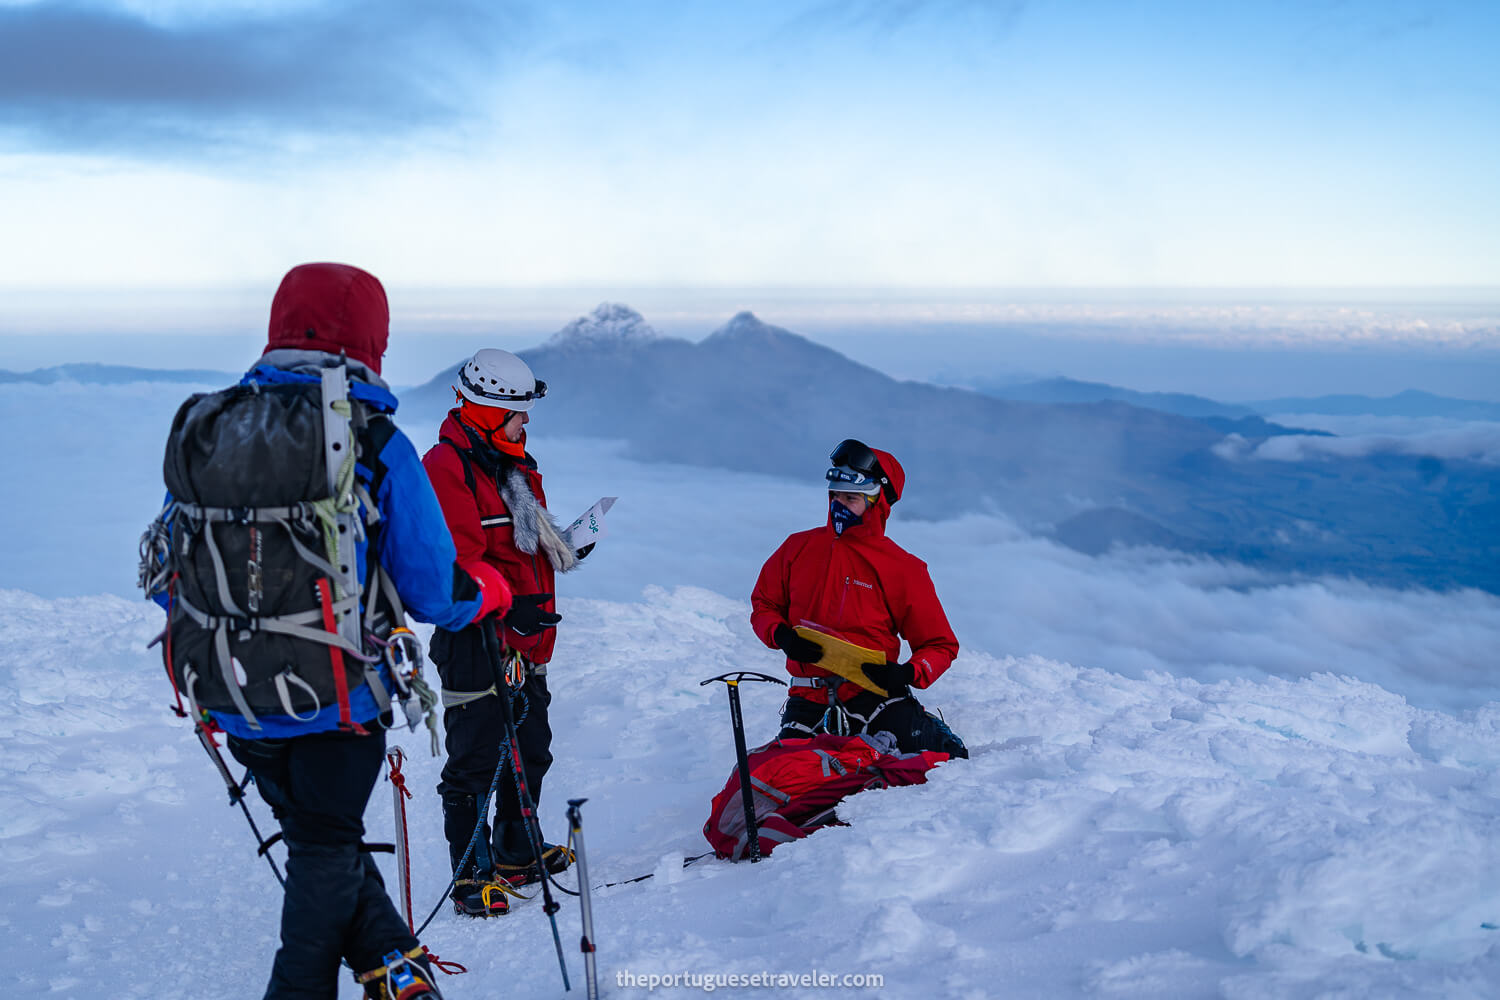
<point>1110,837</point>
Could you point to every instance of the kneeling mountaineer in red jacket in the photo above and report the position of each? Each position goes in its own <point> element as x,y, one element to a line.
<point>849,580</point>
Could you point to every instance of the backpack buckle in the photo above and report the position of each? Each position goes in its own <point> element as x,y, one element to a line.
<point>241,515</point>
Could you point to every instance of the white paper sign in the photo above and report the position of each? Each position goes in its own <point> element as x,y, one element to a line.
<point>589,527</point>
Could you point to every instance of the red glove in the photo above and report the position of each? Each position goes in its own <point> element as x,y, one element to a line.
<point>494,592</point>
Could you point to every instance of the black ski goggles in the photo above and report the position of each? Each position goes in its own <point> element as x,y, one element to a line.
<point>508,397</point>
<point>856,455</point>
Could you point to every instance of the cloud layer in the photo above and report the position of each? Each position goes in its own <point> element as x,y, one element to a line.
<point>1006,592</point>
<point>1473,441</point>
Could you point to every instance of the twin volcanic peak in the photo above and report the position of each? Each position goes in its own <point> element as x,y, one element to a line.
<point>617,323</point>
<point>610,322</point>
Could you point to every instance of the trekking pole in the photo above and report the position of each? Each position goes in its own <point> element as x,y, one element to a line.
<point>400,793</point>
<point>732,681</point>
<point>550,906</point>
<point>585,909</point>
<point>237,797</point>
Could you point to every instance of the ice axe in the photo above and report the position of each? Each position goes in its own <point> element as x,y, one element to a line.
<point>732,681</point>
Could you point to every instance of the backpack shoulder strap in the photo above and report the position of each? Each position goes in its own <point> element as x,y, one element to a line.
<point>463,460</point>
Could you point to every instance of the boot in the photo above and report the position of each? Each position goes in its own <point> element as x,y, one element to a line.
<point>484,897</point>
<point>403,977</point>
<point>476,891</point>
<point>460,816</point>
<point>511,843</point>
<point>514,862</point>
<point>556,857</point>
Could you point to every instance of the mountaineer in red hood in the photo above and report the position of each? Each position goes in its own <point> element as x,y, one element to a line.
<point>849,581</point>
<point>242,540</point>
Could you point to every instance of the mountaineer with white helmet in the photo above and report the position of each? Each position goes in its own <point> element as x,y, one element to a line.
<point>491,493</point>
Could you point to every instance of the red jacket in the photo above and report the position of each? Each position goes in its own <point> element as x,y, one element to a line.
<point>467,513</point>
<point>860,586</point>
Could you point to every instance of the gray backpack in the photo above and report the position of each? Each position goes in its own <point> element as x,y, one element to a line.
<point>259,552</point>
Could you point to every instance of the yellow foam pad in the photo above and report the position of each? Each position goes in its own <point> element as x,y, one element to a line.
<point>845,658</point>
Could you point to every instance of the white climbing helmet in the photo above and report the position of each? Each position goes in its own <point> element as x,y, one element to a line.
<point>499,378</point>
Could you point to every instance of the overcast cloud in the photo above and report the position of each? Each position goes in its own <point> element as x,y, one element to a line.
<point>82,77</point>
<point>789,143</point>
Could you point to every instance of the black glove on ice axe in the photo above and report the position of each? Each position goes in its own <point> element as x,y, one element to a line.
<point>793,645</point>
<point>526,616</point>
<point>894,677</point>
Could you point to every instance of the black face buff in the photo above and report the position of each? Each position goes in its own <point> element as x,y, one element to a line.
<point>842,517</point>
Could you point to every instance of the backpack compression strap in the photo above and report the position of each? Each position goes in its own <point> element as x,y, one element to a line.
<point>338,614</point>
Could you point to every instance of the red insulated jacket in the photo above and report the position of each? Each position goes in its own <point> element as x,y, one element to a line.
<point>481,526</point>
<point>860,586</point>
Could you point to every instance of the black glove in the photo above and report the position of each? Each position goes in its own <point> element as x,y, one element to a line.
<point>581,553</point>
<point>793,645</point>
<point>526,616</point>
<point>895,678</point>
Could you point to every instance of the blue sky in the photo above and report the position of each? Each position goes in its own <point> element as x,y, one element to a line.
<point>890,143</point>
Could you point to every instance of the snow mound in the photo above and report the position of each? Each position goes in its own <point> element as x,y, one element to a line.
<point>1109,837</point>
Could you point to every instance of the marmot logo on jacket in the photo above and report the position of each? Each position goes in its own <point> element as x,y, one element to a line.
<point>533,527</point>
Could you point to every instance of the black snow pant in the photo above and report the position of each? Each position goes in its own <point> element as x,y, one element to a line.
<point>913,726</point>
<point>475,731</point>
<point>335,906</point>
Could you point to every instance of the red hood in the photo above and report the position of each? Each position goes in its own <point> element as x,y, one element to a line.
<point>873,523</point>
<point>331,307</point>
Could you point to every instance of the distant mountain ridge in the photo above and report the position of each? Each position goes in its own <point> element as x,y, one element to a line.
<point>755,397</point>
<point>1411,403</point>
<point>97,374</point>
<point>1227,418</point>
<point>1067,390</point>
